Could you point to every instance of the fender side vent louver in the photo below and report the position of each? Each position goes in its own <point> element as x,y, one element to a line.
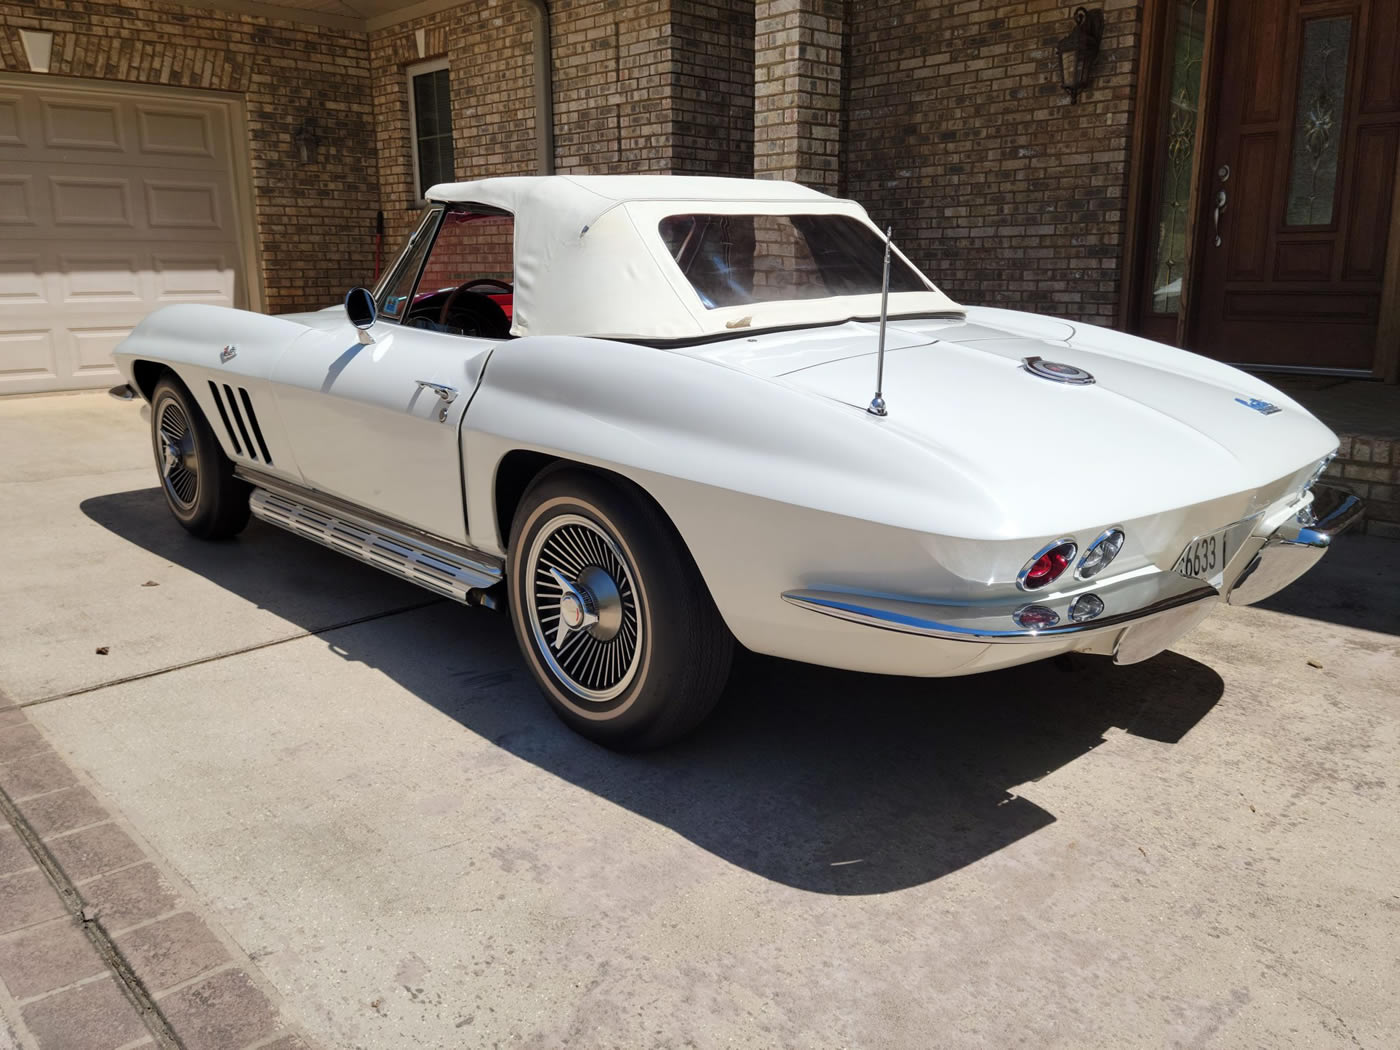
<point>223,414</point>
<point>243,427</point>
<point>238,418</point>
<point>253,422</point>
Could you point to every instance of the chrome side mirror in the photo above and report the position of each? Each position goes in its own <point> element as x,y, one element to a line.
<point>360,308</point>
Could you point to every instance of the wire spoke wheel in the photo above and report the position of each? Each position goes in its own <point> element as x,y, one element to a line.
<point>611,613</point>
<point>179,466</point>
<point>583,608</point>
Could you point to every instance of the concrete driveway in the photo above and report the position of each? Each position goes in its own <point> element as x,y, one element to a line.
<point>364,798</point>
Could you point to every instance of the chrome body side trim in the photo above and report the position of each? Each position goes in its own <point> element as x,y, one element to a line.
<point>1297,545</point>
<point>446,568</point>
<point>1125,601</point>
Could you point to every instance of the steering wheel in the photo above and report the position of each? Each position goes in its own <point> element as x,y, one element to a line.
<point>503,286</point>
<point>480,314</point>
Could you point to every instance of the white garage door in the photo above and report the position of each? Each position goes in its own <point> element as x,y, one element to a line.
<point>111,205</point>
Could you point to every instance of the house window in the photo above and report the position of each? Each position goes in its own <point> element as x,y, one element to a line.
<point>430,117</point>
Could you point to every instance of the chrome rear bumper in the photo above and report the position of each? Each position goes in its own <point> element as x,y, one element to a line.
<point>1148,612</point>
<point>1149,609</point>
<point>1135,598</point>
<point>1296,546</point>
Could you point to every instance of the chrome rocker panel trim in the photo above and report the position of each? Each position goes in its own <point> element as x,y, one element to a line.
<point>1125,601</point>
<point>1297,545</point>
<point>438,565</point>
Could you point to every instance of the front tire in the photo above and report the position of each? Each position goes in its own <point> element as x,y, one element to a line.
<point>611,613</point>
<point>195,475</point>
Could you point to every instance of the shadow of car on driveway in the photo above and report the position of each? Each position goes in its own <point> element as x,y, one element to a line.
<point>828,781</point>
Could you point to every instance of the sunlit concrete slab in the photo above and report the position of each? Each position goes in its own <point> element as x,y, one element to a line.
<point>1198,849</point>
<point>91,559</point>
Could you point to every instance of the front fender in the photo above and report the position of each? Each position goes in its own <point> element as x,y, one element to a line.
<point>194,334</point>
<point>234,349</point>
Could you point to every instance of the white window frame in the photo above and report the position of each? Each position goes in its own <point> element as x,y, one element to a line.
<point>433,65</point>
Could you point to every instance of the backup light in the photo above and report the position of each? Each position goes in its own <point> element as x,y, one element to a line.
<point>1036,618</point>
<point>1047,566</point>
<point>1085,607</point>
<point>1102,551</point>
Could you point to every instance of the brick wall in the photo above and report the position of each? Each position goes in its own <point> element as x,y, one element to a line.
<point>713,87</point>
<point>314,221</point>
<point>798,91</point>
<point>1370,467</point>
<point>643,86</point>
<point>612,86</point>
<point>957,132</point>
<point>615,94</point>
<point>488,47</point>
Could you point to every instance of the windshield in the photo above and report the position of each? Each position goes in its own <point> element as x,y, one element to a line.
<point>734,260</point>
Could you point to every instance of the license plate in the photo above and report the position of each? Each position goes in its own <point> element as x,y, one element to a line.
<point>1205,556</point>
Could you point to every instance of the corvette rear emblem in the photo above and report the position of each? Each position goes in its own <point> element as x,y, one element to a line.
<point>1255,403</point>
<point>227,354</point>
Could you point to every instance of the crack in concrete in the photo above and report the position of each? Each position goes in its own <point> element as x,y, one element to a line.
<point>311,633</point>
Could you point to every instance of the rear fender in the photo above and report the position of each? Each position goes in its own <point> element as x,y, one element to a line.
<point>764,483</point>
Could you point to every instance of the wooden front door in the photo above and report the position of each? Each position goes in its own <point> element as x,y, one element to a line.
<point>1270,137</point>
<point>1296,186</point>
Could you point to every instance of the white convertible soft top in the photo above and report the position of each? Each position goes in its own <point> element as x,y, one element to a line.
<point>589,258</point>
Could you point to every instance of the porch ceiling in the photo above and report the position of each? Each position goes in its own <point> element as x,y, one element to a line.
<point>341,14</point>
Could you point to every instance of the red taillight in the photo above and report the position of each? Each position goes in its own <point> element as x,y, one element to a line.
<point>1047,566</point>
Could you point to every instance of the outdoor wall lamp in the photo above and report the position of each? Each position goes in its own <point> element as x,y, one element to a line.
<point>1077,51</point>
<point>305,139</point>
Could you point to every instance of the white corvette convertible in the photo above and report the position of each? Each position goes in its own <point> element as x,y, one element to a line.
<point>659,415</point>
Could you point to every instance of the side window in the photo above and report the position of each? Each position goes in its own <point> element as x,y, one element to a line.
<point>394,296</point>
<point>466,284</point>
<point>430,118</point>
<point>471,246</point>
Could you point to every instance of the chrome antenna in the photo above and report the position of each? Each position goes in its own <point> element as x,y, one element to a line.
<point>877,403</point>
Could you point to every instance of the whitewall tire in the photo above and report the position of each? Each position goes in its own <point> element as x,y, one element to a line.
<point>613,617</point>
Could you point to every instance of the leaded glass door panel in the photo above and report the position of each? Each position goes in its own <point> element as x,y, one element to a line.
<point>1293,205</point>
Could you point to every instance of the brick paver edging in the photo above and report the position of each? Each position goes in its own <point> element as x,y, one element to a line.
<point>99,949</point>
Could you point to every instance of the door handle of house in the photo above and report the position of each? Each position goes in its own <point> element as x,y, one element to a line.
<point>1220,201</point>
<point>447,393</point>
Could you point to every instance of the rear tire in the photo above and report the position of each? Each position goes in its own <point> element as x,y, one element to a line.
<point>644,655</point>
<point>195,475</point>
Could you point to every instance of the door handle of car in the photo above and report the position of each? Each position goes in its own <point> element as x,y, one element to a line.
<point>447,393</point>
<point>1220,201</point>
